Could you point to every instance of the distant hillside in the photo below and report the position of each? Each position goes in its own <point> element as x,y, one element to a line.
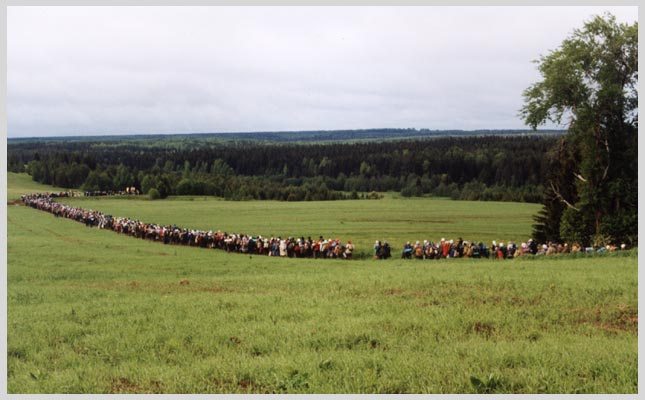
<point>297,136</point>
<point>508,167</point>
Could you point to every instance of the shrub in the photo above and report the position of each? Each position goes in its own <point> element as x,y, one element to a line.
<point>154,194</point>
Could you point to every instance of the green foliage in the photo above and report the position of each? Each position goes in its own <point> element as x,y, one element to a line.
<point>123,178</point>
<point>561,164</point>
<point>185,186</point>
<point>160,182</point>
<point>153,194</point>
<point>187,141</point>
<point>220,167</point>
<point>365,169</point>
<point>97,181</point>
<point>592,78</point>
<point>508,168</point>
<point>575,227</point>
<point>412,190</point>
<point>621,225</point>
<point>148,182</point>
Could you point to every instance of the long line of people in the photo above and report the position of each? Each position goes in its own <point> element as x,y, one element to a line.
<point>87,193</point>
<point>292,246</point>
<point>174,235</point>
<point>461,248</point>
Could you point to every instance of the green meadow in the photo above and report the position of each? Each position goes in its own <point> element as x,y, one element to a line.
<point>19,184</point>
<point>91,311</point>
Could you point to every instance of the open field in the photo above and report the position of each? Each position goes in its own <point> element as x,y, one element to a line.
<point>93,311</point>
<point>19,184</point>
<point>393,218</point>
<point>362,221</point>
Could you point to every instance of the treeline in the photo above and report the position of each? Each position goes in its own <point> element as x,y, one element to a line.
<point>187,140</point>
<point>474,168</point>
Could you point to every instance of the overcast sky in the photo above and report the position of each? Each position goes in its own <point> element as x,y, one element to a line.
<point>121,70</point>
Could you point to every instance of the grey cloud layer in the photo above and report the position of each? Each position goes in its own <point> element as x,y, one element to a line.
<point>111,70</point>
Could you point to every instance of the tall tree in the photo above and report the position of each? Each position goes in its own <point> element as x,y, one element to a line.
<point>592,80</point>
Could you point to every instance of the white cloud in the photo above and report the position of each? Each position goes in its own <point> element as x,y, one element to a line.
<point>111,70</point>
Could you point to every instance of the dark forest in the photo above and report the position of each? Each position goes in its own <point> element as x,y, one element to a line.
<point>504,168</point>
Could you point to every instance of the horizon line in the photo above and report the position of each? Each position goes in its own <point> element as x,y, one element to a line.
<point>9,137</point>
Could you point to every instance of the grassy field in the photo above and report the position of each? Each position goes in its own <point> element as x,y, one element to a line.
<point>93,311</point>
<point>19,184</point>
<point>393,218</point>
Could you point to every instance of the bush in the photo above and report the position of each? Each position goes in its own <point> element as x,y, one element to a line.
<point>184,187</point>
<point>407,191</point>
<point>154,194</point>
<point>411,190</point>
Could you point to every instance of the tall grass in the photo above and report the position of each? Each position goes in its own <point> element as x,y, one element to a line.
<point>93,311</point>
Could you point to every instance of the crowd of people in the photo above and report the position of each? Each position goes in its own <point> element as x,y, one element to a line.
<point>87,193</point>
<point>382,251</point>
<point>291,246</point>
<point>461,248</point>
<point>174,235</point>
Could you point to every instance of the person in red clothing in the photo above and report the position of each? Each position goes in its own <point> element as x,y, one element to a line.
<point>316,247</point>
<point>445,248</point>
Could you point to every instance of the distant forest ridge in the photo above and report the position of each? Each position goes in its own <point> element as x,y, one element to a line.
<point>484,167</point>
<point>299,136</point>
